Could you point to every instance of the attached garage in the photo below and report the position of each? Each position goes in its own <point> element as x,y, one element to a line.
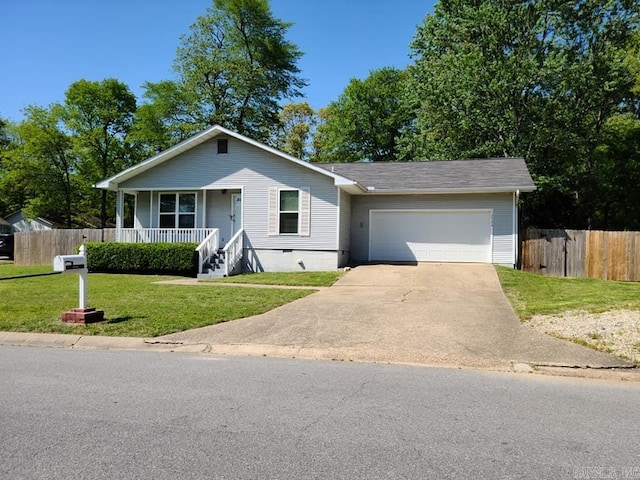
<point>431,235</point>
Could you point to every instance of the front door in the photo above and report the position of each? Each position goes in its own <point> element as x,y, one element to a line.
<point>236,213</point>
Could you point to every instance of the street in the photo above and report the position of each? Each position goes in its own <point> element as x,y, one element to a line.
<point>93,414</point>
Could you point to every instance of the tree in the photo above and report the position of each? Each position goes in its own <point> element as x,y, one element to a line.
<point>165,119</point>
<point>520,78</point>
<point>616,164</point>
<point>235,66</point>
<point>293,132</point>
<point>365,121</point>
<point>38,167</point>
<point>4,136</point>
<point>99,115</point>
<point>46,152</point>
<point>16,176</point>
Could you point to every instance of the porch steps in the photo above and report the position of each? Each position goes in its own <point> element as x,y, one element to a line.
<point>215,267</point>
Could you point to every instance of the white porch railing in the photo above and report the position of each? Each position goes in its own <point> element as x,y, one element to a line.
<point>163,235</point>
<point>233,251</point>
<point>208,248</point>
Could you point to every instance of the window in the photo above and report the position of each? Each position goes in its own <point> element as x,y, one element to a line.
<point>223,145</point>
<point>177,210</point>
<point>289,210</point>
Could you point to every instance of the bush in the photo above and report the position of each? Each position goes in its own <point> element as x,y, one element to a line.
<point>162,258</point>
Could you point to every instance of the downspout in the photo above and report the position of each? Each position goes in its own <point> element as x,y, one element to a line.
<point>516,229</point>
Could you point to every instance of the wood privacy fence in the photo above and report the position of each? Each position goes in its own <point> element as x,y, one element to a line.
<point>582,253</point>
<point>39,247</point>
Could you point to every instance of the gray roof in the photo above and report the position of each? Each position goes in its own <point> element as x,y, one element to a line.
<point>493,174</point>
<point>4,222</point>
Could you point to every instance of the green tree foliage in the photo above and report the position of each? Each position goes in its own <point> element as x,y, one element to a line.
<point>616,164</point>
<point>44,161</point>
<point>165,118</point>
<point>234,67</point>
<point>5,142</point>
<point>99,116</point>
<point>17,185</point>
<point>537,79</point>
<point>5,139</point>
<point>364,123</point>
<point>293,131</point>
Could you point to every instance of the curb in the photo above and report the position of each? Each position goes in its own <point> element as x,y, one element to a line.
<point>96,342</point>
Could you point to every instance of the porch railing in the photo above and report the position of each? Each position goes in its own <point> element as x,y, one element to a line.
<point>233,251</point>
<point>207,249</point>
<point>162,235</point>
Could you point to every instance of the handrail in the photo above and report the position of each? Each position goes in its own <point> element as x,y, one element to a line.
<point>233,252</point>
<point>207,248</point>
<point>162,235</point>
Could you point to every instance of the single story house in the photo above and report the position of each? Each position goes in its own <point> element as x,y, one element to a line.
<point>5,227</point>
<point>254,208</point>
<point>20,223</point>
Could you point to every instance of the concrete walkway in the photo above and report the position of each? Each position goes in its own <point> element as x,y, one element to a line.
<point>432,314</point>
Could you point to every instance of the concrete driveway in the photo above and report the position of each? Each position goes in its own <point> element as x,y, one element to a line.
<point>434,314</point>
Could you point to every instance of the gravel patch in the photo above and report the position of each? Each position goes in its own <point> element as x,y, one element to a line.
<point>616,331</point>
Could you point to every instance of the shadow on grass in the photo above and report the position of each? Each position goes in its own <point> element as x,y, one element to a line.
<point>115,320</point>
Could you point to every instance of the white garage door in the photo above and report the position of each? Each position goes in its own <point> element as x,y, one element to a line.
<point>430,235</point>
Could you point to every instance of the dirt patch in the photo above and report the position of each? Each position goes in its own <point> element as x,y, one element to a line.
<point>616,331</point>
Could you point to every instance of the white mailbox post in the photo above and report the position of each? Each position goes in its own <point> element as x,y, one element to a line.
<point>78,264</point>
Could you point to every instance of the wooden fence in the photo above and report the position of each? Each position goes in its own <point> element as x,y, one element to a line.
<point>582,253</point>
<point>39,247</point>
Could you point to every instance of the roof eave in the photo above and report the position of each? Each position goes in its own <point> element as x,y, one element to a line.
<point>351,186</point>
<point>435,191</point>
<point>112,183</point>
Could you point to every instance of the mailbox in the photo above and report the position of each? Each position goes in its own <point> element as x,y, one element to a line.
<point>69,263</point>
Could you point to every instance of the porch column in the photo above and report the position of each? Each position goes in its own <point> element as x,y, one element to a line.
<point>151,195</point>
<point>204,209</point>
<point>119,209</point>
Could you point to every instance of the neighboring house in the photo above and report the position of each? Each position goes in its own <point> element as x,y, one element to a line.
<point>273,212</point>
<point>6,238</point>
<point>20,223</point>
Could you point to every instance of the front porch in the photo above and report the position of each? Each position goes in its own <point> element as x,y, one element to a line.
<point>213,260</point>
<point>211,218</point>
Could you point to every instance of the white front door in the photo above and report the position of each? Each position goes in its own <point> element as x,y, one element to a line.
<point>236,213</point>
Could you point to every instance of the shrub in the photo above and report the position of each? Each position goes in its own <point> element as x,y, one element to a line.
<point>164,258</point>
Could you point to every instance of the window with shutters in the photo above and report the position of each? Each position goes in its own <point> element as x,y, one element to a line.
<point>289,211</point>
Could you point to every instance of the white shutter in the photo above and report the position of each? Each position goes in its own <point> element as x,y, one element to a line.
<point>273,211</point>
<point>305,211</point>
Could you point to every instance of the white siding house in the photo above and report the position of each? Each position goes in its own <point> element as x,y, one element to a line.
<point>20,223</point>
<point>263,210</point>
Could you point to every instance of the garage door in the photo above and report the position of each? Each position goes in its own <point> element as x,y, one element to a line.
<point>430,235</point>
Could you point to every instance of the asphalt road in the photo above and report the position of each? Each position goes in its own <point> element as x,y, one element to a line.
<point>77,414</point>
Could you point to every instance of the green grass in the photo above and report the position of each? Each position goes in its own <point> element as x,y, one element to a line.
<point>133,304</point>
<point>300,279</point>
<point>533,294</point>
<point>9,270</point>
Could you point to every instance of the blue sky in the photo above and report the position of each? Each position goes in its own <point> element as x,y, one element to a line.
<point>47,45</point>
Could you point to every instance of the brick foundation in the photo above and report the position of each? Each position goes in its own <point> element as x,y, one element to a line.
<point>83,316</point>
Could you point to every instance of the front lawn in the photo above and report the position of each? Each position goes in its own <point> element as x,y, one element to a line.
<point>533,294</point>
<point>133,305</point>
